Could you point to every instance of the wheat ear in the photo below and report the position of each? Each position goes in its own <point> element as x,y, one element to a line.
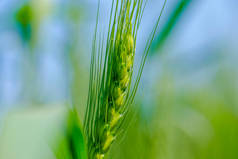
<point>111,91</point>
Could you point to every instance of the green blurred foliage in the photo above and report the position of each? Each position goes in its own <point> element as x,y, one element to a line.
<point>24,17</point>
<point>186,123</point>
<point>71,145</point>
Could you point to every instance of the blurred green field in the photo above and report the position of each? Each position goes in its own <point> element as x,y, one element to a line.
<point>185,123</point>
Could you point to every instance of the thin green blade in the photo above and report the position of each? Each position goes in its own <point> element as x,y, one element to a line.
<point>173,19</point>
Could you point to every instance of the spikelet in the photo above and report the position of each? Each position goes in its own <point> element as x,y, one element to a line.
<point>99,156</point>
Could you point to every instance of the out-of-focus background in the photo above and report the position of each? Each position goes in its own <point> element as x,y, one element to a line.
<point>187,104</point>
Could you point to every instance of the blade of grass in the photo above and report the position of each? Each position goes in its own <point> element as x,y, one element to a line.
<point>179,10</point>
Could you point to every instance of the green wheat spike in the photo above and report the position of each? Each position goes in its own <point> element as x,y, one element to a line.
<point>111,89</point>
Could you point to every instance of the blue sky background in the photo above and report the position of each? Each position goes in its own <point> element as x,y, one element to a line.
<point>207,28</point>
